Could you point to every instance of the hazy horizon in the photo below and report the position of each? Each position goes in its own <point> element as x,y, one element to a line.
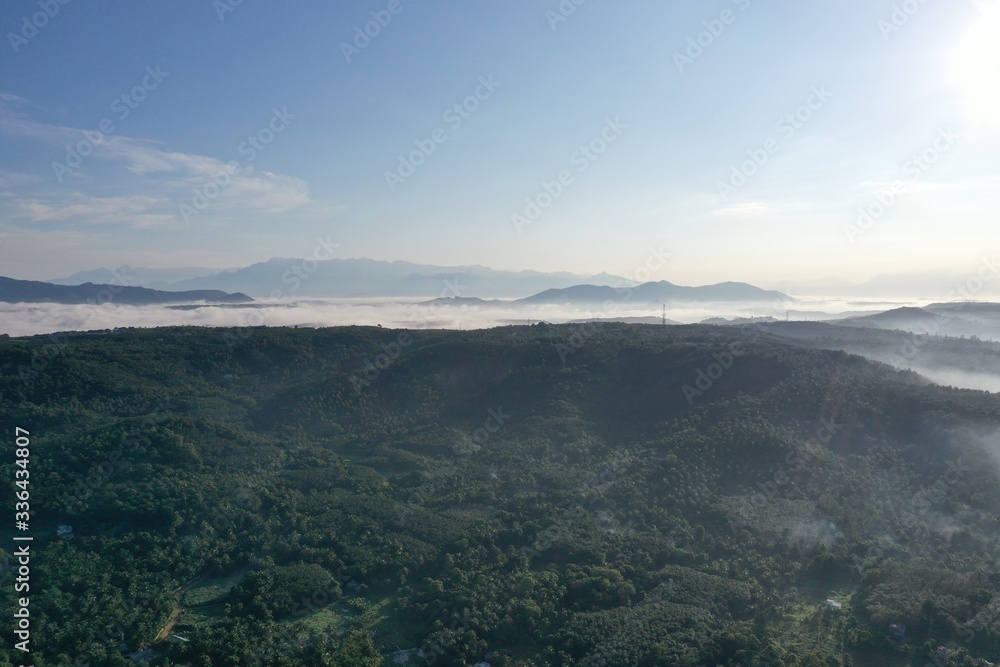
<point>403,313</point>
<point>929,287</point>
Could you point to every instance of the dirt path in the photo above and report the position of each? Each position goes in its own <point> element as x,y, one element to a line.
<point>171,622</point>
<point>175,615</point>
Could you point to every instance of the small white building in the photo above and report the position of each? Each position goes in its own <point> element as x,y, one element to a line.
<point>833,605</point>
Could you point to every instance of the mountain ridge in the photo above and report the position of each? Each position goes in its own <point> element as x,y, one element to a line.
<point>34,291</point>
<point>363,278</point>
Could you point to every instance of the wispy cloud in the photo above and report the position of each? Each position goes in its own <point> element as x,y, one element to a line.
<point>11,179</point>
<point>747,210</point>
<point>147,179</point>
<point>251,189</point>
<point>134,211</point>
<point>12,99</point>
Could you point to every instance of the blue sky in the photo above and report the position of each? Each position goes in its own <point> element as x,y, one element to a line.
<point>299,137</point>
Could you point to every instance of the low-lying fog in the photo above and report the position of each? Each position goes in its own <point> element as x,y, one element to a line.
<point>35,318</point>
<point>965,379</point>
<point>970,364</point>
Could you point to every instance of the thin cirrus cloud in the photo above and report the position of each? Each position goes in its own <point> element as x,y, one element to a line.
<point>747,210</point>
<point>97,210</point>
<point>148,182</point>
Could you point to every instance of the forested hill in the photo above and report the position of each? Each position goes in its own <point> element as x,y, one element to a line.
<point>599,495</point>
<point>33,291</point>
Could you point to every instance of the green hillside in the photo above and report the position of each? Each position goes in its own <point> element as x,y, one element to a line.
<point>601,495</point>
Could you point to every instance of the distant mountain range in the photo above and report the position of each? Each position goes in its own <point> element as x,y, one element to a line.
<point>361,278</point>
<point>658,292</point>
<point>644,294</point>
<point>33,291</point>
<point>348,278</point>
<point>161,279</point>
<point>367,278</point>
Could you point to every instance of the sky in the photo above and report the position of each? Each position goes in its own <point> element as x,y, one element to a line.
<point>769,142</point>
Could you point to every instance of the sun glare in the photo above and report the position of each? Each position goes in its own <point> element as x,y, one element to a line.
<point>976,67</point>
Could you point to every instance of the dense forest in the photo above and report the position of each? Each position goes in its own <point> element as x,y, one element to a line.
<point>598,495</point>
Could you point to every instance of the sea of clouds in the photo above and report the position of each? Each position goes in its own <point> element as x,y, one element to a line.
<point>27,319</point>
